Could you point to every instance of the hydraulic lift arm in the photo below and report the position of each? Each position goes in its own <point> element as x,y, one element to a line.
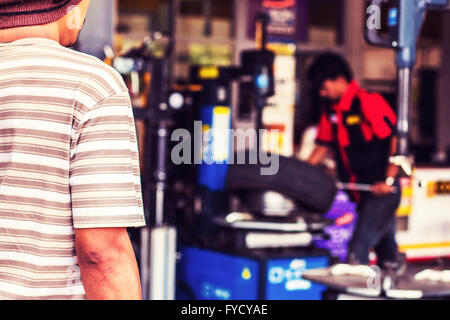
<point>405,19</point>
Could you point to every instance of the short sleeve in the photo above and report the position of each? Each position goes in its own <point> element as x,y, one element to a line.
<point>325,131</point>
<point>104,168</point>
<point>380,115</point>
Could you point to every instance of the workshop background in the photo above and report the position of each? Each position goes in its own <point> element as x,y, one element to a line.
<point>212,233</point>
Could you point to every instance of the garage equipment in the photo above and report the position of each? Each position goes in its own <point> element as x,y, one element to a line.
<point>214,112</point>
<point>405,19</point>
<point>146,76</point>
<point>355,284</point>
<point>309,186</point>
<point>206,274</point>
<point>275,220</point>
<point>267,218</point>
<point>295,223</point>
<point>387,284</point>
<point>258,64</point>
<point>254,256</point>
<point>267,203</point>
<point>243,230</point>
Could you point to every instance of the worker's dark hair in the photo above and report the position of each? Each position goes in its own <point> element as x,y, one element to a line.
<point>328,66</point>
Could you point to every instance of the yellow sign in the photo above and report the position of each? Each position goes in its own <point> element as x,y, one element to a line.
<point>246,275</point>
<point>435,188</point>
<point>208,73</point>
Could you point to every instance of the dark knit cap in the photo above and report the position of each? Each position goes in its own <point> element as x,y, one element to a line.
<point>21,13</point>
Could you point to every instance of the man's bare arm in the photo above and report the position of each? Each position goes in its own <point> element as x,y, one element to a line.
<point>108,265</point>
<point>318,155</point>
<point>381,187</point>
<point>393,170</point>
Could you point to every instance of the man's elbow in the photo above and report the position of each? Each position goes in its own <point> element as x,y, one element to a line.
<point>97,248</point>
<point>104,259</point>
<point>101,261</point>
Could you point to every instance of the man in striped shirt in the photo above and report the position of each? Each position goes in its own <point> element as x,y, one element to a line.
<point>69,171</point>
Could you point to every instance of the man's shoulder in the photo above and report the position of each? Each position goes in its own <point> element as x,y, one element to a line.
<point>83,71</point>
<point>94,74</point>
<point>370,97</point>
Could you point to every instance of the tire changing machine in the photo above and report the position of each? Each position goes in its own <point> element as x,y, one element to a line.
<point>245,257</point>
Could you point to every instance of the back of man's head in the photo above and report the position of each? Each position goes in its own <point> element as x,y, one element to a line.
<point>64,16</point>
<point>328,66</point>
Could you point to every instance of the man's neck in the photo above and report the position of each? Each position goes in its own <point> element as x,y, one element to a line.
<point>48,31</point>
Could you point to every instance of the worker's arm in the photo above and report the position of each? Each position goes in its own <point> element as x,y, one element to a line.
<point>381,188</point>
<point>108,265</point>
<point>392,170</point>
<point>318,155</point>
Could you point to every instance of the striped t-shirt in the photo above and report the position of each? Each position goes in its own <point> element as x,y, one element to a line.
<point>68,159</point>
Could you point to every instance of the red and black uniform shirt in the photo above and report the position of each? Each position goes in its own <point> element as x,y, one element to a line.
<point>359,128</point>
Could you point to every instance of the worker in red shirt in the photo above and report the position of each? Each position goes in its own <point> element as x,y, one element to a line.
<point>359,127</point>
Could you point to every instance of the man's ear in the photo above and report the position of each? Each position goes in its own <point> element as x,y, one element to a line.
<point>70,25</point>
<point>74,18</point>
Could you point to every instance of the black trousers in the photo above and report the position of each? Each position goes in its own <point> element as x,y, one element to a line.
<point>375,228</point>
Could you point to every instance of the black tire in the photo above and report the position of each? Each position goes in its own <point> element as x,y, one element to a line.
<point>302,182</point>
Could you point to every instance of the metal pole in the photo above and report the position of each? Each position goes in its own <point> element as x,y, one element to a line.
<point>260,100</point>
<point>260,104</point>
<point>264,32</point>
<point>161,174</point>
<point>144,262</point>
<point>404,99</point>
<point>146,186</point>
<point>162,263</point>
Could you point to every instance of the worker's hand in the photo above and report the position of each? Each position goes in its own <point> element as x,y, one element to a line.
<point>381,188</point>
